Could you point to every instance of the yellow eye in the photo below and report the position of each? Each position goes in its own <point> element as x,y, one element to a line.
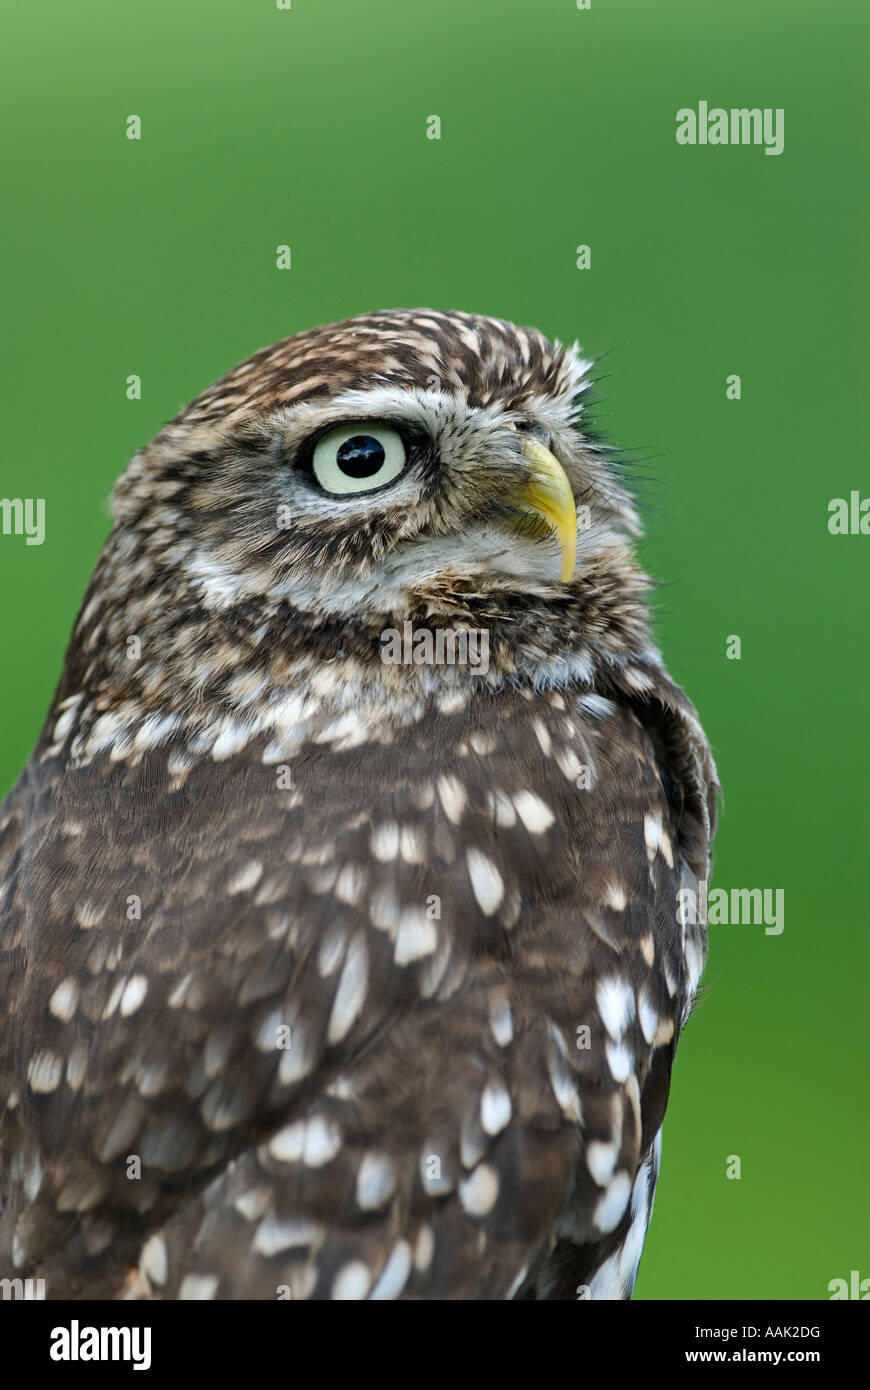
<point>358,458</point>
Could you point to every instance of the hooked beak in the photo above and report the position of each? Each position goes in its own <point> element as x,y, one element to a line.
<point>545,492</point>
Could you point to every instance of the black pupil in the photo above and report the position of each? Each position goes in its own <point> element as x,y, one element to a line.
<point>361,456</point>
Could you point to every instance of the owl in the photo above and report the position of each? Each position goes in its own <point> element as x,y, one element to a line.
<point>342,949</point>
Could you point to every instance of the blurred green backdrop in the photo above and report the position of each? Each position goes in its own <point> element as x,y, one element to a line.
<point>307,126</point>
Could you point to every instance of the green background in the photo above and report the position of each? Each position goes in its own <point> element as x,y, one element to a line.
<point>307,126</point>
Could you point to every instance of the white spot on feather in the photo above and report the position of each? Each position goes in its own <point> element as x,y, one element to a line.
<point>495,1107</point>
<point>247,877</point>
<point>274,1235</point>
<point>534,813</point>
<point>394,1275</point>
<point>385,841</point>
<point>611,1207</point>
<point>649,1019</point>
<point>620,1061</point>
<point>569,764</point>
<point>487,883</point>
<point>615,1004</point>
<point>350,885</point>
<point>502,808</point>
<point>64,1001</point>
<point>416,937</point>
<point>314,1141</point>
<point>412,846</point>
<point>200,1287</point>
<point>451,794</point>
<point>351,992</point>
<point>375,1181</point>
<point>322,1142</point>
<point>351,1283</point>
<point>134,993</point>
<point>543,736</point>
<point>500,1021</point>
<point>614,897</point>
<point>601,1161</point>
<point>153,1260</point>
<point>232,739</point>
<point>652,834</point>
<point>479,1192</point>
<point>424,1249</point>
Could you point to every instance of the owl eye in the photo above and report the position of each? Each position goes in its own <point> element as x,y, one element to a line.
<point>358,458</point>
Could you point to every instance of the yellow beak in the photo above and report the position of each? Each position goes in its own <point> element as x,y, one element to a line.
<point>546,493</point>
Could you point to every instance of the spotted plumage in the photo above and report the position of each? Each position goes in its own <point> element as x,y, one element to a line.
<point>325,976</point>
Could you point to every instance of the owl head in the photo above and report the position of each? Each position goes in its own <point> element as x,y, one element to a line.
<point>404,465</point>
<point>394,459</point>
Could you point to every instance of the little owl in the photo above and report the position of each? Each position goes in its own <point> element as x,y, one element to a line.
<point>341,951</point>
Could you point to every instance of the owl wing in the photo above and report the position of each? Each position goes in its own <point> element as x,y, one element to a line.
<point>348,1027</point>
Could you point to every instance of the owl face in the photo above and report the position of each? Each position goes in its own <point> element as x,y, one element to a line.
<point>365,467</point>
